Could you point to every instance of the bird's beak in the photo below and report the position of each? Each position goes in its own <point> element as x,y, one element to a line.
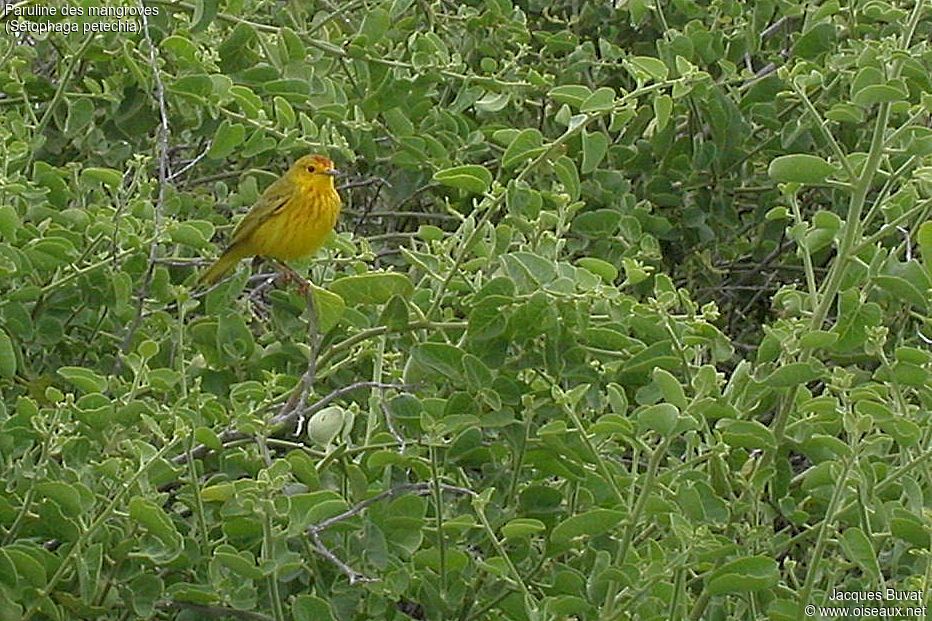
<point>333,172</point>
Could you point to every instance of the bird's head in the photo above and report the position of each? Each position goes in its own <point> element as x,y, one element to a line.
<point>315,171</point>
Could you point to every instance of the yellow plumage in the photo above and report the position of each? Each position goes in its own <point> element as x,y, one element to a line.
<point>290,220</point>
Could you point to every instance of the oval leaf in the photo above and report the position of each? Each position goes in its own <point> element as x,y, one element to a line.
<point>472,178</point>
<point>799,168</point>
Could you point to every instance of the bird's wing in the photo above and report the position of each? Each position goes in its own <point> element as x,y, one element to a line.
<point>271,203</point>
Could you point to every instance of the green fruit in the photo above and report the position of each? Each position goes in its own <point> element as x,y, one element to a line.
<point>326,425</point>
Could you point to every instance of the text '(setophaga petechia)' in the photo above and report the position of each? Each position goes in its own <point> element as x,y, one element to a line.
<point>291,219</point>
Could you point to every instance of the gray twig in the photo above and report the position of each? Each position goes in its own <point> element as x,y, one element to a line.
<point>193,162</point>
<point>217,611</point>
<point>284,420</point>
<point>287,417</point>
<point>303,389</point>
<point>314,530</point>
<point>390,423</point>
<point>164,176</point>
<point>772,28</point>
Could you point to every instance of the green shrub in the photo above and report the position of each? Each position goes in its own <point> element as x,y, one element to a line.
<point>627,316</point>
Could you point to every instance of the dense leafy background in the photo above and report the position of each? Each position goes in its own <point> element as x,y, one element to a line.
<point>627,316</point>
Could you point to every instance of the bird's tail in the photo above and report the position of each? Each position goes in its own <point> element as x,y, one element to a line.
<point>221,266</point>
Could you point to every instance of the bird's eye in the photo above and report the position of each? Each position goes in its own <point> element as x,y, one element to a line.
<point>311,169</point>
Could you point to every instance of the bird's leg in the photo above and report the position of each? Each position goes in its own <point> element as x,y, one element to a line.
<point>288,275</point>
<point>294,407</point>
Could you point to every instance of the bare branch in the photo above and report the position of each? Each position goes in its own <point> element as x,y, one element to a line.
<point>353,575</point>
<point>193,162</point>
<point>286,417</point>
<point>217,611</point>
<point>772,28</point>
<point>285,421</point>
<point>364,182</point>
<point>408,488</point>
<point>303,389</point>
<point>314,530</point>
<point>164,177</point>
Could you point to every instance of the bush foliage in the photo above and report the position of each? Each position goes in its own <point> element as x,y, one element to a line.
<point>627,316</point>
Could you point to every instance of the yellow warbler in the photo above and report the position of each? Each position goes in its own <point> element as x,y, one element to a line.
<point>291,219</point>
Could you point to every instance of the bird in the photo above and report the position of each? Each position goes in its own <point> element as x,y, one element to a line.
<point>290,220</point>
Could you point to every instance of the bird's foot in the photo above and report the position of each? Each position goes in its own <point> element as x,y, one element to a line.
<point>288,276</point>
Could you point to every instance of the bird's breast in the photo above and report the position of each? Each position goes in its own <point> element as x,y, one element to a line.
<point>301,227</point>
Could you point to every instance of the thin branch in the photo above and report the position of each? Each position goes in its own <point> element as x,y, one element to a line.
<point>772,28</point>
<point>823,129</point>
<point>390,423</point>
<point>303,389</point>
<point>314,530</point>
<point>284,421</point>
<point>164,176</point>
<point>286,418</point>
<point>193,162</point>
<point>217,611</point>
<point>354,576</point>
<point>363,183</point>
<point>408,488</point>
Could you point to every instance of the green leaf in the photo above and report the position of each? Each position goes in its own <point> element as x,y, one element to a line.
<point>154,519</point>
<point>603,269</point>
<point>817,40</point>
<point>80,113</point>
<point>648,68</point>
<point>660,418</point>
<point>599,223</point>
<point>65,496</point>
<point>602,100</point>
<point>9,222</point>
<point>748,434</point>
<point>663,108</point>
<point>227,137</point>
<point>525,146</point>
<point>236,51</point>
<point>83,379</point>
<point>440,359</point>
<point>880,93</point>
<point>330,308</point>
<point>284,112</point>
<point>188,234</point>
<point>590,523</point>
<point>857,547</point>
<point>234,338</point>
<point>240,563</point>
<point>146,591</point>
<point>493,102</point>
<point>472,178</point>
<point>799,168</point>
<point>204,13</point>
<point>910,528</point>
<point>107,176</point>
<point>7,356</point>
<point>521,528</point>
<point>594,146</point>
<point>745,575</point>
<point>571,94</point>
<point>395,314</point>
<point>907,281</point>
<point>793,374</point>
<point>670,388</point>
<point>372,288</point>
<point>817,339</point>
<point>566,172</point>
<point>924,240</point>
<point>199,85</point>
<point>845,113</point>
<point>375,24</point>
